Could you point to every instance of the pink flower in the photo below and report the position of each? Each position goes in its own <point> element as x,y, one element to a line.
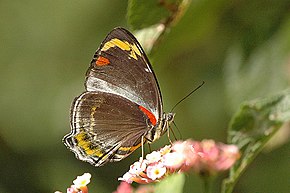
<point>145,189</point>
<point>154,156</point>
<point>173,160</point>
<point>80,184</point>
<point>229,155</point>
<point>129,178</point>
<point>186,149</point>
<point>138,167</point>
<point>202,157</point>
<point>127,188</point>
<point>72,189</point>
<point>156,171</point>
<point>124,187</point>
<point>215,157</point>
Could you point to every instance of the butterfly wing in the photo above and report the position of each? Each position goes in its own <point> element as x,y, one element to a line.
<point>121,106</point>
<point>105,127</point>
<point>121,67</point>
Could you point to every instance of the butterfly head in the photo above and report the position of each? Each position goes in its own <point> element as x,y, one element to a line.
<point>167,119</point>
<point>157,131</point>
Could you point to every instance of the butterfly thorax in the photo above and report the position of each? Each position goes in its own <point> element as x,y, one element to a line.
<point>160,128</point>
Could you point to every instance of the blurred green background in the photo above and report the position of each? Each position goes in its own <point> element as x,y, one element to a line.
<point>240,48</point>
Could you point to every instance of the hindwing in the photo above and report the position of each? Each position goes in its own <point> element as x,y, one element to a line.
<point>105,127</point>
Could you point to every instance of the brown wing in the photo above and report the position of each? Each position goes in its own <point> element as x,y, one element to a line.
<point>105,127</point>
<point>121,67</point>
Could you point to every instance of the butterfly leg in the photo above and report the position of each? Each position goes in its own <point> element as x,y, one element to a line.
<point>168,134</point>
<point>142,142</point>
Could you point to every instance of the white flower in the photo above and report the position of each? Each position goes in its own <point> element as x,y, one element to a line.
<point>153,157</point>
<point>83,180</point>
<point>156,171</point>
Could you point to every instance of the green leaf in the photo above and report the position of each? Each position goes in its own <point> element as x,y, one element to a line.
<point>144,13</point>
<point>171,184</point>
<point>151,18</point>
<point>252,126</point>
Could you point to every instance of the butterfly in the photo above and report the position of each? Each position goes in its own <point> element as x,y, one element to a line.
<point>121,108</point>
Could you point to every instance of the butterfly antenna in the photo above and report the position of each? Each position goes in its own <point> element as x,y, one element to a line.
<point>198,87</point>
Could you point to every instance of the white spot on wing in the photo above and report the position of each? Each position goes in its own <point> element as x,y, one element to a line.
<point>147,70</point>
<point>96,84</point>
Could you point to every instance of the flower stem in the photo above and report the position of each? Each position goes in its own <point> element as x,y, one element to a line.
<point>207,182</point>
<point>206,185</point>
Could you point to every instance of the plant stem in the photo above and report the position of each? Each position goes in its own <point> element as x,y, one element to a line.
<point>207,182</point>
<point>206,185</point>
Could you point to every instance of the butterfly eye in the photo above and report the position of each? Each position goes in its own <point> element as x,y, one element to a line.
<point>170,117</point>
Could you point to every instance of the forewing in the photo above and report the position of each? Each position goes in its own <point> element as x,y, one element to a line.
<point>105,127</point>
<point>121,67</point>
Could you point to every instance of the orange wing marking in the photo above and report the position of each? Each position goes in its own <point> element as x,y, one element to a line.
<point>149,115</point>
<point>102,61</point>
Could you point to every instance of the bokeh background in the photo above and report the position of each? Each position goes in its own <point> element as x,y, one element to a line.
<point>240,48</point>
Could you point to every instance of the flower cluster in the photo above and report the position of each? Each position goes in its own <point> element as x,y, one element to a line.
<point>202,157</point>
<point>214,157</point>
<point>79,184</point>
